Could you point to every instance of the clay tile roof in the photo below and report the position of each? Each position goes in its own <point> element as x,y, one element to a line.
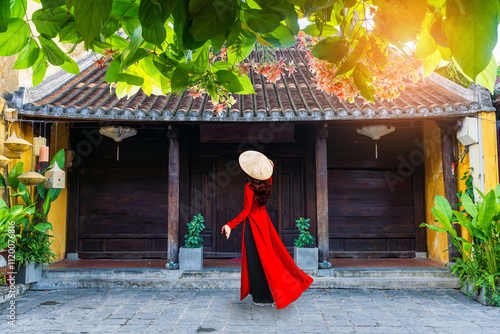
<point>293,98</point>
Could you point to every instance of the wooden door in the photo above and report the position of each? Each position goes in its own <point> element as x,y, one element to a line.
<point>123,205</point>
<point>375,204</point>
<point>367,218</point>
<point>217,192</point>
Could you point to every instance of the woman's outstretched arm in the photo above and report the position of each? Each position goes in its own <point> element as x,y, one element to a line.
<point>246,210</point>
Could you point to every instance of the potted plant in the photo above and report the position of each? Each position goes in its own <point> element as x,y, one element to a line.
<point>478,266</point>
<point>191,255</point>
<point>305,256</point>
<point>33,243</point>
<point>10,218</point>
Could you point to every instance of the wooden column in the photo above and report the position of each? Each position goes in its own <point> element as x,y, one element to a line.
<point>322,192</point>
<point>310,178</point>
<point>448,133</point>
<point>173,195</point>
<point>73,209</point>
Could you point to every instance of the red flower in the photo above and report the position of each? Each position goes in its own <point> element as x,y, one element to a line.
<point>109,53</point>
<point>219,107</point>
<point>99,62</point>
<point>195,93</point>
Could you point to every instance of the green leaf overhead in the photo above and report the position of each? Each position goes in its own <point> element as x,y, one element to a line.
<point>28,55</point>
<point>211,18</point>
<point>425,45</point>
<point>184,72</point>
<point>4,15</point>
<point>326,30</point>
<point>442,30</point>
<point>70,66</point>
<point>230,80</point>
<point>15,38</point>
<point>90,17</point>
<point>18,8</point>
<point>39,69</point>
<point>69,33</point>
<point>52,3</point>
<point>261,21</point>
<point>153,16</point>
<point>50,21</point>
<point>363,80</point>
<point>54,54</point>
<point>471,32</point>
<point>333,49</point>
<point>487,77</point>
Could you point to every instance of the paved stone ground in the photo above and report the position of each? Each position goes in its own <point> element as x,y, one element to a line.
<point>220,311</point>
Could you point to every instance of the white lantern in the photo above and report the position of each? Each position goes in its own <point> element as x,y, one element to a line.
<point>375,132</point>
<point>118,133</point>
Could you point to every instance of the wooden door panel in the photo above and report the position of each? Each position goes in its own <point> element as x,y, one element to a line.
<point>367,218</point>
<point>201,199</point>
<point>217,188</point>
<point>230,186</point>
<point>121,215</point>
<point>292,198</point>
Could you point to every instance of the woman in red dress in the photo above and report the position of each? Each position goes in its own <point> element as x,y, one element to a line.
<point>268,272</point>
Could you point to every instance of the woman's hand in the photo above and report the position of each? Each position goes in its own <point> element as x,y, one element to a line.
<point>226,229</point>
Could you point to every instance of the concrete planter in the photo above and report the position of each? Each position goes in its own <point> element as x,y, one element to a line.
<point>477,293</point>
<point>306,258</point>
<point>29,273</point>
<point>191,258</point>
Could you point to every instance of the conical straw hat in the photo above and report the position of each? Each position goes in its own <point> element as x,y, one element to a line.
<point>256,164</point>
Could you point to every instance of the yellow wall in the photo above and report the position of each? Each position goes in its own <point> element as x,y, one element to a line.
<point>58,209</point>
<point>490,158</point>
<point>57,214</point>
<point>436,242</point>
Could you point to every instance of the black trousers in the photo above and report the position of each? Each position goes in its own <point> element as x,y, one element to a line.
<point>259,287</point>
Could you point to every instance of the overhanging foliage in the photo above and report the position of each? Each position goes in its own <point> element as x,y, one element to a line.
<point>202,45</point>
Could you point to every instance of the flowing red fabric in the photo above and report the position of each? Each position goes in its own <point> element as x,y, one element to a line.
<point>286,280</point>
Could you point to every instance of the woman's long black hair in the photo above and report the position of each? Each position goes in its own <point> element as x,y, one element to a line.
<point>261,188</point>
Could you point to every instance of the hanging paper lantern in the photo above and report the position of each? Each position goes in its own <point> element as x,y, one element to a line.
<point>55,178</point>
<point>37,143</point>
<point>4,161</point>
<point>17,145</point>
<point>43,155</point>
<point>375,132</point>
<point>31,178</point>
<point>118,133</point>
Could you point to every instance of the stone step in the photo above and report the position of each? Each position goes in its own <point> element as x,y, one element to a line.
<point>229,278</point>
<point>384,272</point>
<point>223,273</point>
<point>138,273</point>
<point>234,283</point>
<point>386,283</point>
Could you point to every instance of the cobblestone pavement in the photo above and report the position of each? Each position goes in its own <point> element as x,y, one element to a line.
<point>220,311</point>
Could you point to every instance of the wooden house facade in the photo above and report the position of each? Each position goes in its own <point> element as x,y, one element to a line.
<point>183,161</point>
